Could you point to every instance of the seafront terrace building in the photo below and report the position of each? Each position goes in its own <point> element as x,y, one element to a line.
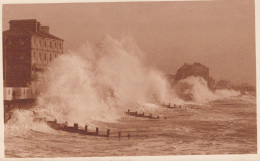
<point>28,48</point>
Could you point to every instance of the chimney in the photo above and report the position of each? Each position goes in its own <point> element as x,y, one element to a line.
<point>45,29</point>
<point>28,24</point>
<point>38,26</point>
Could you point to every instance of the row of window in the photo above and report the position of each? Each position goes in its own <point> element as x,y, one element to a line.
<point>43,56</point>
<point>46,43</point>
<point>18,93</point>
<point>37,43</point>
<point>16,42</point>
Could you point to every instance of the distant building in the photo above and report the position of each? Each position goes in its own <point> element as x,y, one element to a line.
<point>28,47</point>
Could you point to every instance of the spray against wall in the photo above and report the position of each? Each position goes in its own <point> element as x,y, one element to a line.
<point>100,82</point>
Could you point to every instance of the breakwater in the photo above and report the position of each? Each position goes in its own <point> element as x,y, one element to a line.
<point>85,131</point>
<point>149,116</point>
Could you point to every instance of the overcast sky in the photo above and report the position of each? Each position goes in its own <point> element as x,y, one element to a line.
<point>218,34</point>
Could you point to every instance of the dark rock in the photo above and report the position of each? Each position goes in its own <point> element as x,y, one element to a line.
<point>197,70</point>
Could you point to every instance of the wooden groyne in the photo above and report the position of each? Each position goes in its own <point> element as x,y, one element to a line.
<point>149,116</point>
<point>75,129</point>
<point>174,106</point>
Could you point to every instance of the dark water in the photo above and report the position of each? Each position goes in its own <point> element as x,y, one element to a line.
<point>220,127</point>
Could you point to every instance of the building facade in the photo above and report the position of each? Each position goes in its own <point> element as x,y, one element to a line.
<point>28,48</point>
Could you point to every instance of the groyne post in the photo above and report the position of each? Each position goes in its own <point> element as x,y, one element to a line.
<point>169,104</point>
<point>119,134</point>
<point>66,124</point>
<point>150,115</point>
<point>55,121</point>
<point>76,126</point>
<point>135,112</point>
<point>128,112</point>
<point>108,133</point>
<point>86,128</point>
<point>128,135</point>
<point>97,130</point>
<point>143,114</point>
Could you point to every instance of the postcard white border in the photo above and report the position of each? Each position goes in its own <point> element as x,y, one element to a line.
<point>239,157</point>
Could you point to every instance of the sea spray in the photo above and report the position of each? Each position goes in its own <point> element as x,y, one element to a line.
<point>195,89</point>
<point>100,82</point>
<point>22,122</point>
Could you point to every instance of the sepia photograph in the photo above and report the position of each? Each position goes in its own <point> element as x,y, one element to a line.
<point>122,79</point>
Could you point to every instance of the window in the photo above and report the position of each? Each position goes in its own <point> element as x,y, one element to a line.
<point>60,45</point>
<point>35,55</point>
<point>50,57</point>
<point>40,55</point>
<point>45,56</point>
<point>34,41</point>
<point>45,44</point>
<point>40,43</point>
<point>8,91</point>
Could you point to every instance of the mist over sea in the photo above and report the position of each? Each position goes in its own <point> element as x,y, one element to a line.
<point>96,84</point>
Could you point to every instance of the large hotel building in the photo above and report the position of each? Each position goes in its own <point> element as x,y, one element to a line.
<point>28,47</point>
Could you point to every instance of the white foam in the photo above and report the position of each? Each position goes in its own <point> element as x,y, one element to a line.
<point>100,82</point>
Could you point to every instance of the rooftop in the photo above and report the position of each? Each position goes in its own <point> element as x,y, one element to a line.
<point>29,27</point>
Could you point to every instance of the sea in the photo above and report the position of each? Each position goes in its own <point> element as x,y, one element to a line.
<point>226,126</point>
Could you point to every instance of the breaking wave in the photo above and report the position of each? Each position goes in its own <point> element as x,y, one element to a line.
<point>195,89</point>
<point>22,122</point>
<point>101,81</point>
